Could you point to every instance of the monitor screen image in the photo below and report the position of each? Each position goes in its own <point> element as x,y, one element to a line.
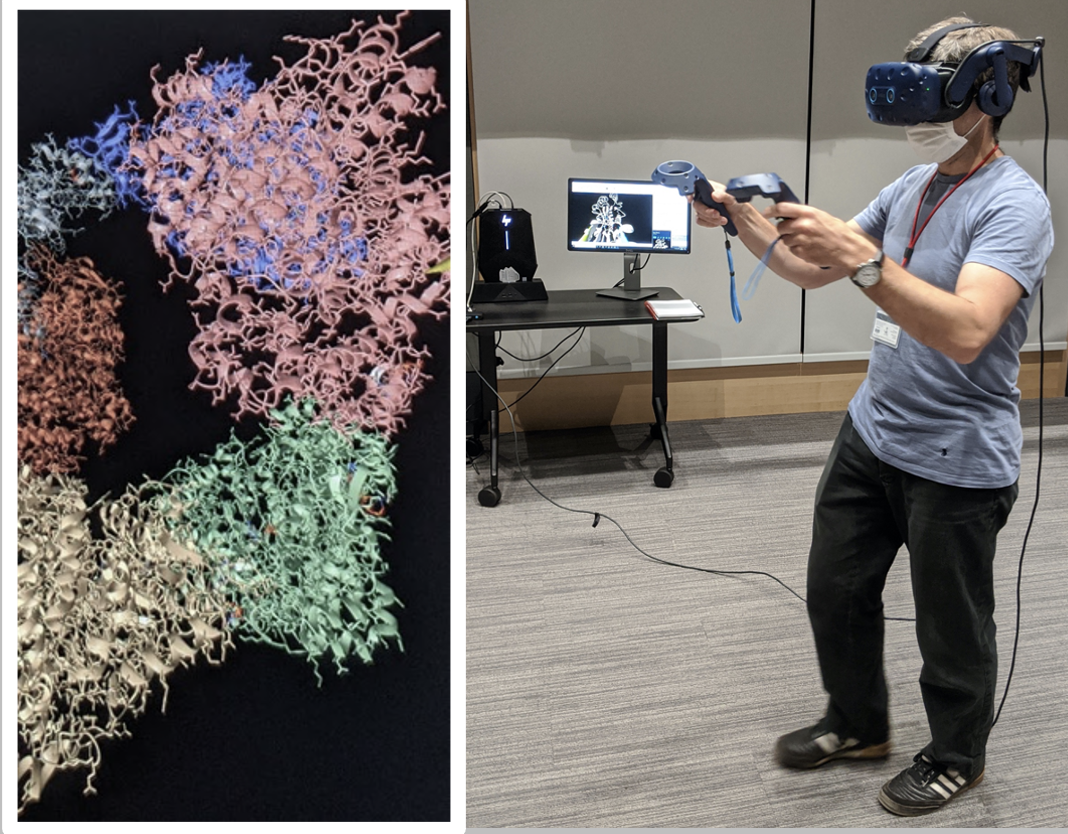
<point>626,216</point>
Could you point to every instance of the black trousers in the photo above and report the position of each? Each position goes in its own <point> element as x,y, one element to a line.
<point>865,510</point>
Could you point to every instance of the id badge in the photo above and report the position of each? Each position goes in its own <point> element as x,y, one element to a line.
<point>885,331</point>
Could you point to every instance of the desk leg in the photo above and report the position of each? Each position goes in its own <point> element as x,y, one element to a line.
<point>487,359</point>
<point>665,475</point>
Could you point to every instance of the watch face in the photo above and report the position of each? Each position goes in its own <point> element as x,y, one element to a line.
<point>867,276</point>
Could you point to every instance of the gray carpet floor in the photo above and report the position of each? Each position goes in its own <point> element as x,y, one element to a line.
<point>606,690</point>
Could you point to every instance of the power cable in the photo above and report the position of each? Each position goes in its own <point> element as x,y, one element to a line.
<point>597,516</point>
<point>1041,408</point>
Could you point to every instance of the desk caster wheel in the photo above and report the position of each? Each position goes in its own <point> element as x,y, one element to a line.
<point>489,496</point>
<point>664,477</point>
<point>474,447</point>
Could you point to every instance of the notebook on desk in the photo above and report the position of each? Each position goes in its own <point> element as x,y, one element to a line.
<point>682,308</point>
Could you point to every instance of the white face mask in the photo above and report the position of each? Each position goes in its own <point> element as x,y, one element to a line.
<point>937,141</point>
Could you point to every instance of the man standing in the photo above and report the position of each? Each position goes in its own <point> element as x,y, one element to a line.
<point>952,254</point>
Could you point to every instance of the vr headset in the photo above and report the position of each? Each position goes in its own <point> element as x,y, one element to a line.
<point>918,90</point>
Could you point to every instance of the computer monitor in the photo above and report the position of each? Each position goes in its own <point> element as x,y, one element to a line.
<point>630,217</point>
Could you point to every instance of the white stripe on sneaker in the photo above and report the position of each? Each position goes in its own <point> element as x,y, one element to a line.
<point>829,743</point>
<point>941,791</point>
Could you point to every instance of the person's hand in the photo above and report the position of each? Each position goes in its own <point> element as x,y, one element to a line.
<point>819,238</point>
<point>710,217</point>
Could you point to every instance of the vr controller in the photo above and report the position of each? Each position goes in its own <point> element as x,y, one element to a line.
<point>688,179</point>
<point>743,189</point>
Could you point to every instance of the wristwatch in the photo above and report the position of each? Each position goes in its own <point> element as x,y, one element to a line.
<point>869,273</point>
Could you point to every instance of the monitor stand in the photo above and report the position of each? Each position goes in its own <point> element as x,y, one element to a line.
<point>632,281</point>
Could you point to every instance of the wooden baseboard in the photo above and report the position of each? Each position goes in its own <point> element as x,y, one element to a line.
<point>563,402</point>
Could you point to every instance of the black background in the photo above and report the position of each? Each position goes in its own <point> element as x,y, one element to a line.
<point>253,738</point>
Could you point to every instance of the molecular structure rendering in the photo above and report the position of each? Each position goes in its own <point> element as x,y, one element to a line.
<point>299,218</point>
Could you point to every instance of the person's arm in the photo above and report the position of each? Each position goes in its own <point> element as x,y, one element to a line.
<point>959,324</point>
<point>757,232</point>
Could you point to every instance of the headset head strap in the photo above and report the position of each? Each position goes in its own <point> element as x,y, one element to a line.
<point>921,52</point>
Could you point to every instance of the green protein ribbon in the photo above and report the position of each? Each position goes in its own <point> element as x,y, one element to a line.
<point>292,523</point>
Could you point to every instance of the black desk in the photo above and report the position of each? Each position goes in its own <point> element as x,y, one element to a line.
<point>568,308</point>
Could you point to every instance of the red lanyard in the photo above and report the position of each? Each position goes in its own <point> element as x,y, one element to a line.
<point>915,235</point>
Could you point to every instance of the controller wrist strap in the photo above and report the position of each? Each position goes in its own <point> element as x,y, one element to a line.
<point>735,309</point>
<point>751,285</point>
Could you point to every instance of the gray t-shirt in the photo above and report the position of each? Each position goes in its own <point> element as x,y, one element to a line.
<point>919,410</point>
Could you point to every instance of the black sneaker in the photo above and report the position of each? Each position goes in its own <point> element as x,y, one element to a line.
<point>811,747</point>
<point>924,787</point>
